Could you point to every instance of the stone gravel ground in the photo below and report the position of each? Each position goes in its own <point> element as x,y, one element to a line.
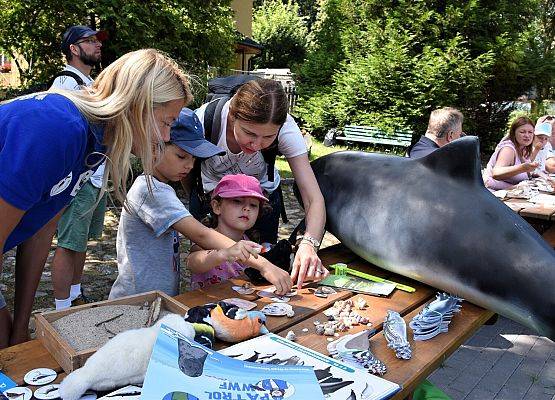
<point>101,263</point>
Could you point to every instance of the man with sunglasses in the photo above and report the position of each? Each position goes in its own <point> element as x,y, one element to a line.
<point>83,219</point>
<point>81,46</point>
<point>444,126</point>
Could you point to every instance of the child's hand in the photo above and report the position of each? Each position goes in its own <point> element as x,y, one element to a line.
<point>241,251</point>
<point>277,277</point>
<point>537,144</point>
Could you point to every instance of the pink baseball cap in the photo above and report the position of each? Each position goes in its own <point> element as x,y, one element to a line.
<point>240,185</point>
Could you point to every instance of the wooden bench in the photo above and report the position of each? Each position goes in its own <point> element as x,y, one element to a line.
<point>373,135</point>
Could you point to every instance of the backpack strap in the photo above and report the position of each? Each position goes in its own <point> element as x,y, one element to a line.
<point>71,74</point>
<point>213,119</point>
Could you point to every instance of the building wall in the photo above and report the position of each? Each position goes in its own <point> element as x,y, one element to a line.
<point>8,78</point>
<point>243,23</point>
<point>243,16</point>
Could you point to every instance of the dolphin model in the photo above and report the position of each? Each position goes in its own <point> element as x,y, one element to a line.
<point>432,220</point>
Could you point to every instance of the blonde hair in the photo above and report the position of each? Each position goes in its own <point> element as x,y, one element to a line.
<point>122,100</point>
<point>444,120</point>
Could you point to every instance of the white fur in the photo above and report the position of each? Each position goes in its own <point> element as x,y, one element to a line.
<point>122,361</point>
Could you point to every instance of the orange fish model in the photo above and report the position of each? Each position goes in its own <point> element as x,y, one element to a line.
<point>241,326</point>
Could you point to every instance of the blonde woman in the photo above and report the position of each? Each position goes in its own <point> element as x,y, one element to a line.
<point>50,144</point>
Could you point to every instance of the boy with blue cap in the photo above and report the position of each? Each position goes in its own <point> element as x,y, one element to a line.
<point>148,233</point>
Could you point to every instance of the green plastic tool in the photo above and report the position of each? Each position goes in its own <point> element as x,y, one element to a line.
<point>343,269</point>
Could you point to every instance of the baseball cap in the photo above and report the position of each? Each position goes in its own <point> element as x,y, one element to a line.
<point>187,133</point>
<point>76,32</point>
<point>240,185</point>
<point>543,128</point>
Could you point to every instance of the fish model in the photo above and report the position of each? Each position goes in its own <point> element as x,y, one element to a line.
<point>432,220</point>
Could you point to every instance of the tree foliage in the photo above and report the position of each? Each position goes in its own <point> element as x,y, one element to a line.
<point>197,33</point>
<point>279,28</point>
<point>395,61</point>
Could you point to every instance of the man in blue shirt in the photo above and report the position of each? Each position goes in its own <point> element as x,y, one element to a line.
<point>46,148</point>
<point>444,126</point>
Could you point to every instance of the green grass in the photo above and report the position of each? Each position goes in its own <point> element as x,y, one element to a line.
<point>317,150</point>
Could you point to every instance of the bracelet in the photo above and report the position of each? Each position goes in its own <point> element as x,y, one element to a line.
<point>312,241</point>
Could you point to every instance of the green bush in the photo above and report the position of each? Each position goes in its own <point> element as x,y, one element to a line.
<point>389,63</point>
<point>196,33</point>
<point>279,28</point>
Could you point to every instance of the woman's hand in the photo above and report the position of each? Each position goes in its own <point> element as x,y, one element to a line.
<point>307,265</point>
<point>241,251</point>
<point>277,277</point>
<point>529,166</point>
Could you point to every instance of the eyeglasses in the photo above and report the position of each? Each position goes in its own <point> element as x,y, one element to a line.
<point>91,40</point>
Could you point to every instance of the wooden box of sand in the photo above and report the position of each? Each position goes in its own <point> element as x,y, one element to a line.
<point>73,335</point>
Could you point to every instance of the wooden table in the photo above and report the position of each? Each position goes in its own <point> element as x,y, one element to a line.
<point>427,356</point>
<point>541,217</point>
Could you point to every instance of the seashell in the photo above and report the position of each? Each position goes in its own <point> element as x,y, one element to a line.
<point>361,304</point>
<point>290,314</point>
<point>320,329</point>
<point>305,329</point>
<point>329,331</point>
<point>277,309</point>
<point>291,336</point>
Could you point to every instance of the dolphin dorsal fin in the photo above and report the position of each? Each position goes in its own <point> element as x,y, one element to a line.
<point>459,159</point>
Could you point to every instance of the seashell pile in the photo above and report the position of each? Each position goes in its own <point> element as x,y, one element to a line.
<point>340,318</point>
<point>435,317</point>
<point>355,350</point>
<point>395,333</point>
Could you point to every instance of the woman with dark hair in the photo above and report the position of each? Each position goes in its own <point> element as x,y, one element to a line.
<point>252,121</point>
<point>510,163</point>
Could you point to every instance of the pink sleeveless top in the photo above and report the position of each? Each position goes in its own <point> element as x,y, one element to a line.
<point>494,184</point>
<point>221,273</point>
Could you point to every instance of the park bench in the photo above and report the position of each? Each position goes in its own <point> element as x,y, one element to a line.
<point>373,135</point>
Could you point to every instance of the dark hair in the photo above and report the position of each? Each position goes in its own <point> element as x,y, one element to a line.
<point>260,101</point>
<point>517,123</point>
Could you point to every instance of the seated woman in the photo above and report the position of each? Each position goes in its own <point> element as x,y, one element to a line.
<point>510,163</point>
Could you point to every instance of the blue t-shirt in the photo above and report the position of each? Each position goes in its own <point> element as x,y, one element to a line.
<point>45,157</point>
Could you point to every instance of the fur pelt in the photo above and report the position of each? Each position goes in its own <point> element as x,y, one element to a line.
<point>122,361</point>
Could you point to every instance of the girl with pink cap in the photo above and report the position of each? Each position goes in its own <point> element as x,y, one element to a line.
<point>237,201</point>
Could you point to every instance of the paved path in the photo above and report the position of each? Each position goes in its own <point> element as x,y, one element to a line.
<point>504,361</point>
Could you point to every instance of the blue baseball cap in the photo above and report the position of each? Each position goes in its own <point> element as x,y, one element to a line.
<point>188,134</point>
<point>77,32</point>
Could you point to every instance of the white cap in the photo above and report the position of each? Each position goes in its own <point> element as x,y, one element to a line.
<point>543,128</point>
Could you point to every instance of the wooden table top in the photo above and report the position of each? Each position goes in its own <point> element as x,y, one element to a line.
<point>427,355</point>
<point>531,210</point>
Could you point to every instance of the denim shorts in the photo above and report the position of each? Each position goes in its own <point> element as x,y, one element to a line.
<point>82,220</point>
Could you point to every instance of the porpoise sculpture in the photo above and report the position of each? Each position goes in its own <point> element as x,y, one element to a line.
<point>432,220</point>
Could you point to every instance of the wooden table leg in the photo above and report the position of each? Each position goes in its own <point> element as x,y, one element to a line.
<point>549,236</point>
